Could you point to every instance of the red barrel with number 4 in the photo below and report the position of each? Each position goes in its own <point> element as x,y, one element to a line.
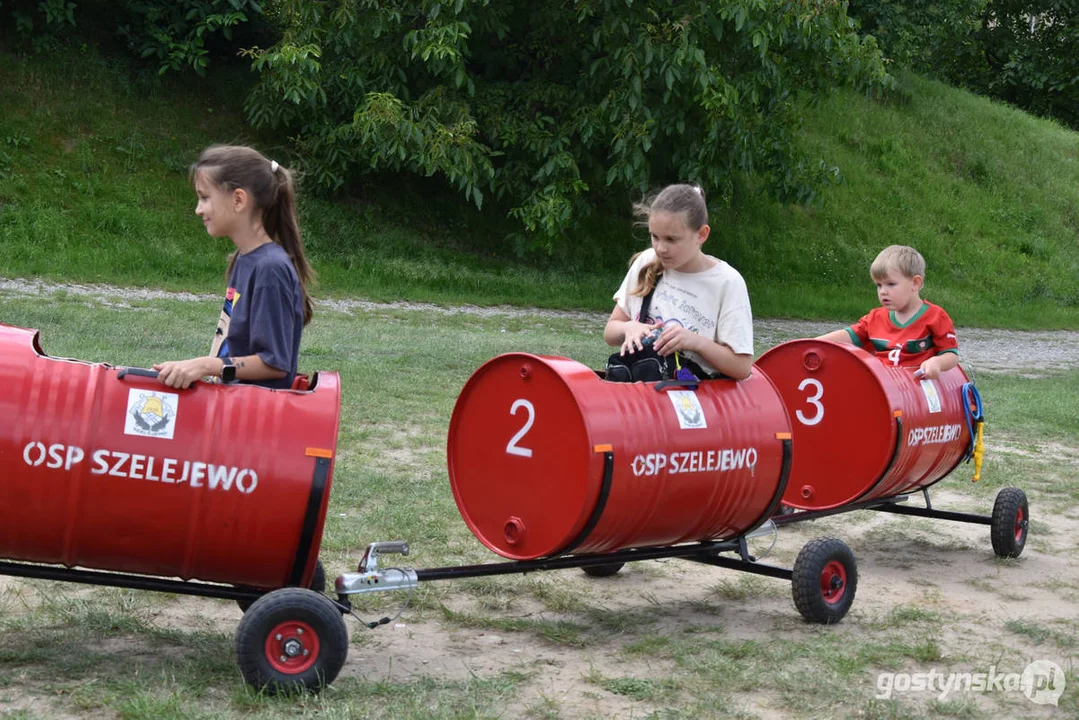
<point>863,430</point>
<point>547,458</point>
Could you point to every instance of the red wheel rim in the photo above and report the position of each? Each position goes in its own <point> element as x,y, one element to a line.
<point>292,647</point>
<point>1020,530</point>
<point>833,582</point>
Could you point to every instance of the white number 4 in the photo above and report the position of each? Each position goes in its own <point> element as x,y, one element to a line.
<point>893,354</point>
<point>512,447</point>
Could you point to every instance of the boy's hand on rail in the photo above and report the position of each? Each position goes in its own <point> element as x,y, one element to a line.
<point>930,369</point>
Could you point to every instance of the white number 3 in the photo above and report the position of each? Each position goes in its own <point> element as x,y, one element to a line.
<point>813,400</point>
<point>512,447</point>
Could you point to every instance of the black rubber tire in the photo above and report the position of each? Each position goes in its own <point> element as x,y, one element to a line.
<point>282,610</point>
<point>1011,520</point>
<point>318,584</point>
<point>825,580</point>
<point>602,571</point>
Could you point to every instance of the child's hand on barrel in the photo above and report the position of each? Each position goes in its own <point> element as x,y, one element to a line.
<point>930,369</point>
<point>180,374</point>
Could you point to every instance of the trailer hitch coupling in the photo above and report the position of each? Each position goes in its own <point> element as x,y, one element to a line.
<point>368,578</point>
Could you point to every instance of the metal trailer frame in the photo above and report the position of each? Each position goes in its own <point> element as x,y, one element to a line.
<point>819,579</point>
<point>134,582</point>
<point>1009,522</point>
<point>823,579</point>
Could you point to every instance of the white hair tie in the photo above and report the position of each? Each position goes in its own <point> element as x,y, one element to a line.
<point>274,166</point>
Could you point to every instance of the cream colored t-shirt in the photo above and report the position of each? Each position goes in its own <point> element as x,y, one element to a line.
<point>713,303</point>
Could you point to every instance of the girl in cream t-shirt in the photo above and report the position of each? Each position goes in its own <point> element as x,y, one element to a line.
<point>713,303</point>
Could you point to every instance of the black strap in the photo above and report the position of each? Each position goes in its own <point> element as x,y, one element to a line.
<point>310,520</point>
<point>597,511</point>
<point>646,304</point>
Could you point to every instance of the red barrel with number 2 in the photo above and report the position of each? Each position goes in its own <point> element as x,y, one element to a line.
<point>547,458</point>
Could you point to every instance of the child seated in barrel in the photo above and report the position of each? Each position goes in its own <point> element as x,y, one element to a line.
<point>905,331</point>
<point>693,304</point>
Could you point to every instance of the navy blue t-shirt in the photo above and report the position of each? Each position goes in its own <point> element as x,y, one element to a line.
<point>263,313</point>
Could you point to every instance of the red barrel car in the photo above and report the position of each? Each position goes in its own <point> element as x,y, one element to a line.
<point>216,490</point>
<point>527,447</point>
<point>864,430</point>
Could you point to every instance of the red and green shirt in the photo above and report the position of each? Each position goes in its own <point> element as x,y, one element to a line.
<point>928,333</point>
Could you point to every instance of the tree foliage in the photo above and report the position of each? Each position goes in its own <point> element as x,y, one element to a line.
<point>37,19</point>
<point>1022,51</point>
<point>931,36</point>
<point>551,107</point>
<point>175,33</point>
<point>1032,49</point>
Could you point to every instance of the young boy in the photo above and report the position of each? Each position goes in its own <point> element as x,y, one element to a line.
<point>906,330</point>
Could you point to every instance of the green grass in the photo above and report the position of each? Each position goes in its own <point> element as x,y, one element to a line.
<point>93,158</point>
<point>1039,633</point>
<point>104,651</point>
<point>1024,401</point>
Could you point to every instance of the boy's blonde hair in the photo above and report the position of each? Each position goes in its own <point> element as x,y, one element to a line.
<point>903,258</point>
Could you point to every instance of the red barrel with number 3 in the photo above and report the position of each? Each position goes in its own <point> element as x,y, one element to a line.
<point>863,430</point>
<point>547,458</point>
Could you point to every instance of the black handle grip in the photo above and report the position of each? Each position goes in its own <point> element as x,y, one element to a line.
<point>138,372</point>
<point>664,384</point>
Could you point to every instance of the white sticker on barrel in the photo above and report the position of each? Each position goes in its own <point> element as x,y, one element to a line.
<point>151,414</point>
<point>688,409</point>
<point>931,396</point>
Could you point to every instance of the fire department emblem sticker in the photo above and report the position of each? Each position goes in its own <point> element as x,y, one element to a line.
<point>688,409</point>
<point>151,414</point>
<point>931,396</point>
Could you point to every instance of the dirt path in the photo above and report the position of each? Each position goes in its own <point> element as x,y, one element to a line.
<point>989,350</point>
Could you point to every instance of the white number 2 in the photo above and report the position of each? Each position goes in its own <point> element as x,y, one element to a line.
<point>511,446</point>
<point>813,400</point>
<point>893,354</point>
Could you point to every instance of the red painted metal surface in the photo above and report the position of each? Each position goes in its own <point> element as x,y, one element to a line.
<point>844,405</point>
<point>526,452</point>
<point>210,483</point>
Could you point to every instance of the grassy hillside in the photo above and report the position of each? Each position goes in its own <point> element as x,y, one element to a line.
<point>93,187</point>
<point>989,194</point>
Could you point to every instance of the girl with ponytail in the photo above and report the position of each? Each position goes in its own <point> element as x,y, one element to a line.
<point>698,304</point>
<point>251,200</point>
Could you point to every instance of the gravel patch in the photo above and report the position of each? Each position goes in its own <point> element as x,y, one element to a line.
<point>983,350</point>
